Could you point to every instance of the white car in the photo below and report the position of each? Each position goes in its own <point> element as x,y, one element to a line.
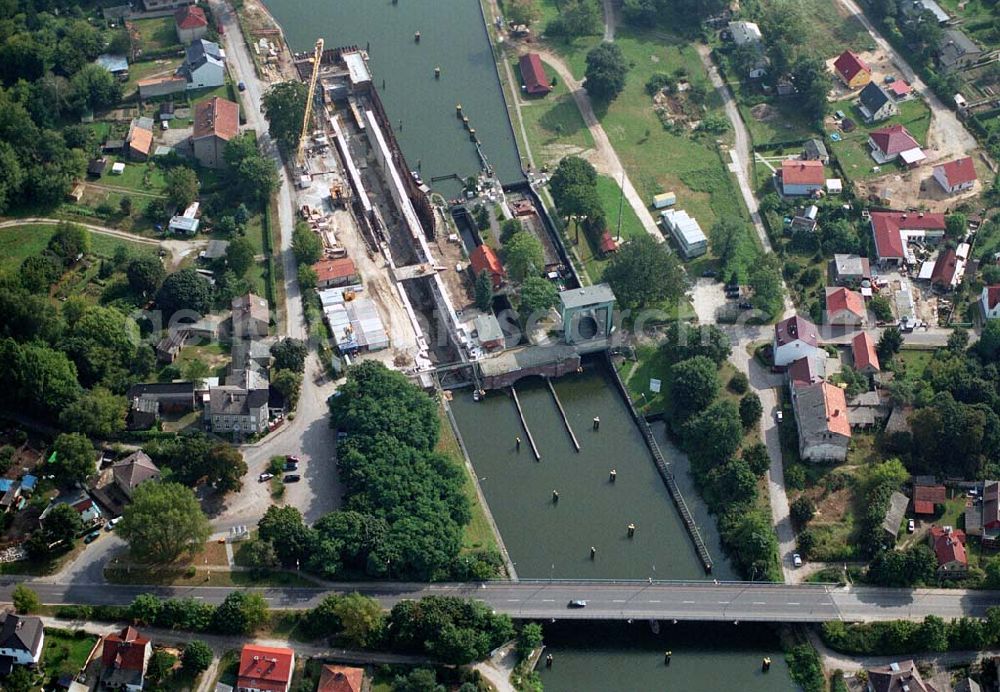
<point>779,415</point>
<point>911,526</point>
<point>796,560</point>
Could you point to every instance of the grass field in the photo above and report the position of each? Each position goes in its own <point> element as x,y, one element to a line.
<point>157,34</point>
<point>478,534</point>
<point>829,32</point>
<point>610,193</point>
<point>163,67</point>
<point>19,242</point>
<point>554,126</point>
<point>142,177</point>
<point>784,120</point>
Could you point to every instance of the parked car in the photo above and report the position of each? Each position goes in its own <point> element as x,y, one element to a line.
<point>291,465</point>
<point>293,478</point>
<point>796,560</point>
<point>576,603</point>
<point>241,86</point>
<point>92,536</point>
<point>911,526</point>
<point>265,477</point>
<point>745,305</point>
<point>291,458</point>
<point>710,273</point>
<point>110,526</point>
<point>779,415</point>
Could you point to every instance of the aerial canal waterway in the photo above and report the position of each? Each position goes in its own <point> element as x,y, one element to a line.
<point>630,658</point>
<point>549,538</point>
<point>452,37</point>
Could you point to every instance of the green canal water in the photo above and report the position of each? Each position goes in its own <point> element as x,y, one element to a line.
<point>629,658</point>
<point>553,539</point>
<point>452,37</point>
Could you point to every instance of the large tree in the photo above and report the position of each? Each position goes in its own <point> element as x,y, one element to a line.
<point>606,71</point>
<point>729,243</point>
<point>290,354</point>
<point>145,273</point>
<point>69,242</point>
<point>97,413</point>
<point>693,385</point>
<point>75,458</point>
<point>361,619</point>
<point>184,290</point>
<point>240,256</point>
<point>574,188</point>
<point>285,107</point>
<point>523,256</point>
<point>537,296</point>
<point>163,522</point>
<point>644,273</point>
<point>182,186</point>
<point>768,289</point>
<point>714,435</point>
<point>306,244</point>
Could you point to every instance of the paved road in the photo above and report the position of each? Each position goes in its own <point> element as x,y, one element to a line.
<point>242,65</point>
<point>696,601</point>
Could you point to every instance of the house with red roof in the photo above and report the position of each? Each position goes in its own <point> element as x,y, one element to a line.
<point>948,270</point>
<point>533,75</point>
<point>990,302</point>
<point>895,142</point>
<point>216,121</point>
<point>893,229</point>
<point>852,70</point>
<point>191,24</point>
<point>821,416</point>
<point>124,658</point>
<point>925,497</point>
<point>609,245</point>
<point>844,307</point>
<point>340,679</point>
<point>863,352</point>
<point>900,90</point>
<point>794,338</point>
<point>265,669</point>
<point>337,271</point>
<point>949,548</point>
<point>956,176</point>
<point>484,259</point>
<point>801,177</point>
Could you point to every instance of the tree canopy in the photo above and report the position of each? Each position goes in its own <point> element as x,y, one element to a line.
<point>285,107</point>
<point>184,290</point>
<point>163,521</point>
<point>75,458</point>
<point>523,256</point>
<point>644,273</point>
<point>606,71</point>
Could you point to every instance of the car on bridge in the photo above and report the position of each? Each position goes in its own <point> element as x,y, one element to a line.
<point>576,603</point>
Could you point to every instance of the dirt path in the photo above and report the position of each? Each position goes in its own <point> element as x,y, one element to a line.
<point>947,136</point>
<point>610,21</point>
<point>101,230</point>
<point>124,190</point>
<point>605,159</point>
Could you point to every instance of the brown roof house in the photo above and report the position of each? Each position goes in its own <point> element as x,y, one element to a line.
<point>251,317</point>
<point>340,679</point>
<point>897,677</point>
<point>124,658</point>
<point>216,121</point>
<point>821,415</point>
<point>133,471</point>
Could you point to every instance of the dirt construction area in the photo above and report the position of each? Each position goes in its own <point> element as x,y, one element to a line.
<point>916,189</point>
<point>880,64</point>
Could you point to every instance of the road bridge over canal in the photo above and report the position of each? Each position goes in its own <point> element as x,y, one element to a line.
<point>606,600</point>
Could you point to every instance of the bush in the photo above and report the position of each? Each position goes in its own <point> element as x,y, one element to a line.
<point>197,656</point>
<point>739,383</point>
<point>802,511</point>
<point>750,410</point>
<point>795,476</point>
<point>805,668</point>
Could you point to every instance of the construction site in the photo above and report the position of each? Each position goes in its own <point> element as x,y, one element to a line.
<point>406,295</point>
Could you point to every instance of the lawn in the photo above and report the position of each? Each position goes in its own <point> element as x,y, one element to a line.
<point>652,364</point>
<point>554,125</point>
<point>20,242</point>
<point>852,150</point>
<point>914,362</point>
<point>829,32</point>
<point>478,534</point>
<point>141,177</point>
<point>610,194</point>
<point>782,121</point>
<point>65,652</point>
<point>658,160</point>
<point>163,67</point>
<point>156,34</point>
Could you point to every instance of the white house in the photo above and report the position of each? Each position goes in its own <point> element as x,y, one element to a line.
<point>875,103</point>
<point>744,33</point>
<point>990,302</point>
<point>794,338</point>
<point>21,638</point>
<point>204,65</point>
<point>956,176</point>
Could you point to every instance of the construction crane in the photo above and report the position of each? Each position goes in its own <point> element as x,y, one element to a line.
<point>300,155</point>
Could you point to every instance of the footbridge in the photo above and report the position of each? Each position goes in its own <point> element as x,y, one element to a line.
<point>605,600</point>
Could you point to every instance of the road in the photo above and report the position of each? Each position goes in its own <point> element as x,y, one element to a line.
<point>947,134</point>
<point>240,62</point>
<point>694,601</point>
